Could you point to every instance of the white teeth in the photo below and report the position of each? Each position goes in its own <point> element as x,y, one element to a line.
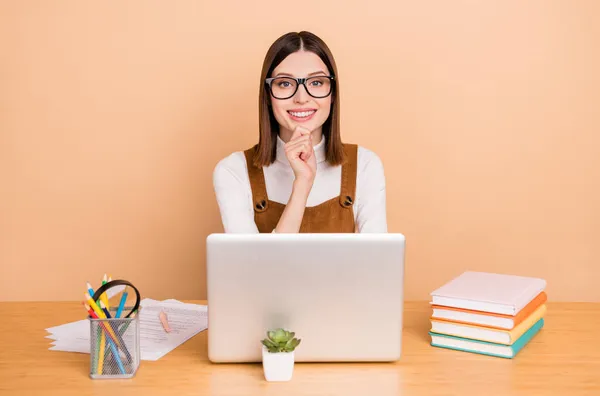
<point>302,113</point>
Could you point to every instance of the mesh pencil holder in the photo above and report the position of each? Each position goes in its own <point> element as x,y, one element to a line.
<point>114,347</point>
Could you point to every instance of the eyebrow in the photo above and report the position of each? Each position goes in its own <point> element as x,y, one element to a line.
<point>309,74</point>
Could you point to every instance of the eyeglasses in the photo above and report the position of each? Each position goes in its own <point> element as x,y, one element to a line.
<point>286,87</point>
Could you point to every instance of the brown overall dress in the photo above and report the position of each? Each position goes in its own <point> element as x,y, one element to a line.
<point>335,215</point>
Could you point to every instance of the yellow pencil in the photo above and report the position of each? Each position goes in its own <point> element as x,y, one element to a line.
<point>101,352</point>
<point>103,296</point>
<point>94,306</point>
<point>101,315</point>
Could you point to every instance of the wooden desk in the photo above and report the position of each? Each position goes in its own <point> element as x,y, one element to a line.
<point>563,359</point>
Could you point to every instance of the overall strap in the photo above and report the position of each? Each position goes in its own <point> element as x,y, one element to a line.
<point>257,182</point>
<point>348,187</point>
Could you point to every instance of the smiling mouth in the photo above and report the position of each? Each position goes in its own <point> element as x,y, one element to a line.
<point>302,114</point>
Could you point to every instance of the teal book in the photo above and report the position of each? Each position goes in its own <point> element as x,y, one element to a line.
<point>483,347</point>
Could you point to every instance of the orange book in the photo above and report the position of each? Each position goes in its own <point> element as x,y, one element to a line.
<point>487,319</point>
<point>488,334</point>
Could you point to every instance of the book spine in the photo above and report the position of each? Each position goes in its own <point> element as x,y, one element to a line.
<point>525,338</point>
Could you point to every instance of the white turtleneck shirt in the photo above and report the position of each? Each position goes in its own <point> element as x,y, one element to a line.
<point>234,194</point>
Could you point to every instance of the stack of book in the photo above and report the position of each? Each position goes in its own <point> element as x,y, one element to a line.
<point>487,313</point>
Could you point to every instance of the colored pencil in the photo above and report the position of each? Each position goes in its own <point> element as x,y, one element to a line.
<point>90,289</point>
<point>101,353</point>
<point>117,358</point>
<point>98,332</point>
<point>103,296</point>
<point>99,336</point>
<point>124,327</point>
<point>105,310</point>
<point>122,302</point>
<point>94,306</point>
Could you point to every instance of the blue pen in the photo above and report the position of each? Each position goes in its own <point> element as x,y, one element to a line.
<point>122,303</point>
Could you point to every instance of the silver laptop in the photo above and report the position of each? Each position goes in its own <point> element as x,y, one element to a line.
<point>342,294</point>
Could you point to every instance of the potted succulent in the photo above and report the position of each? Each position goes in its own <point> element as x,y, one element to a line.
<point>278,354</point>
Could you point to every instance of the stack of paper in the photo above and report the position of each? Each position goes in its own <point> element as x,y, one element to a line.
<point>486,313</point>
<point>185,321</point>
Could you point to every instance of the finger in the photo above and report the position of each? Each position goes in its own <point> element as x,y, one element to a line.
<point>306,154</point>
<point>298,149</point>
<point>303,130</point>
<point>297,133</point>
<point>309,152</point>
<point>303,139</point>
<point>300,131</point>
<point>298,146</point>
<point>299,139</point>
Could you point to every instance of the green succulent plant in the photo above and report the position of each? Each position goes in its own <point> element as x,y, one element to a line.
<point>280,340</point>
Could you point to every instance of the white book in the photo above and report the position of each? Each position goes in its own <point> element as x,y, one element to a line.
<point>489,292</point>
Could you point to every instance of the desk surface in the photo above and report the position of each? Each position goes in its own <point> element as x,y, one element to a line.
<point>563,359</point>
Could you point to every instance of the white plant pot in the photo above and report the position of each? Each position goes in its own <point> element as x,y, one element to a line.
<point>277,366</point>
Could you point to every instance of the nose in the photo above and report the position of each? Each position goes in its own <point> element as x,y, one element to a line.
<point>302,95</point>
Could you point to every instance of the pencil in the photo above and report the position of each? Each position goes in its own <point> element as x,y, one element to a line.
<point>122,302</point>
<point>103,296</point>
<point>101,353</point>
<point>99,336</point>
<point>98,332</point>
<point>124,327</point>
<point>117,358</point>
<point>111,343</point>
<point>90,289</point>
<point>105,310</point>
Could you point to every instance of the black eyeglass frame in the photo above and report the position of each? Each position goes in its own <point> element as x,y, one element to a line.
<point>300,81</point>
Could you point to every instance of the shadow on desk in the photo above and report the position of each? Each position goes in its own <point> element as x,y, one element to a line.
<point>416,323</point>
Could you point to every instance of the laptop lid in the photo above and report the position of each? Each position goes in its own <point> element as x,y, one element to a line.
<point>342,294</point>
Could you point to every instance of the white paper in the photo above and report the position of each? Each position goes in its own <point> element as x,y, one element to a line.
<point>70,327</point>
<point>185,321</point>
<point>80,348</point>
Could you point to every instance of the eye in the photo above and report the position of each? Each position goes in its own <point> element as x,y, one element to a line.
<point>318,81</point>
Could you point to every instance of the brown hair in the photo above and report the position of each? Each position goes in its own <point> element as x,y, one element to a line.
<point>266,150</point>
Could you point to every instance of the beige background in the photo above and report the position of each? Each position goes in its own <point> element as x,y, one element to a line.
<point>113,115</point>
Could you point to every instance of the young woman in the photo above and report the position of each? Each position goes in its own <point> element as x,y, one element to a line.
<point>300,177</point>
